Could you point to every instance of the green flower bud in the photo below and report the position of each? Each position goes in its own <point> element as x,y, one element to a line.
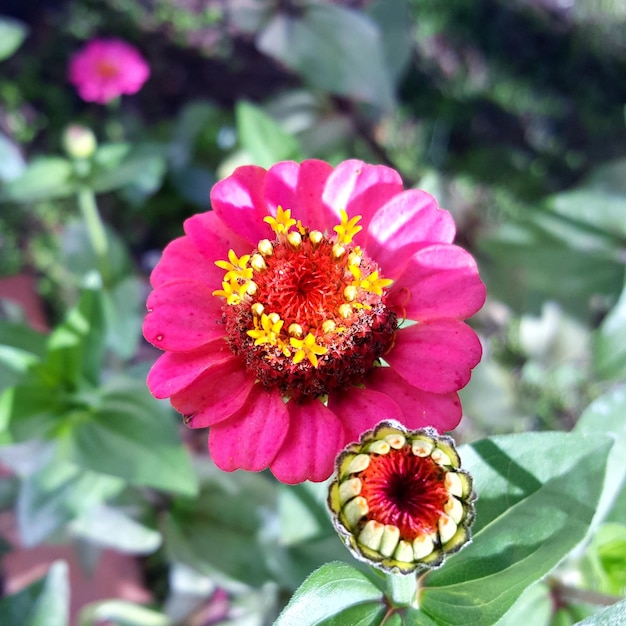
<point>400,500</point>
<point>79,141</point>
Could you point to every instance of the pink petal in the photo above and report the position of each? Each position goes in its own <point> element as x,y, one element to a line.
<point>438,281</point>
<point>219,392</point>
<point>404,224</point>
<point>361,409</point>
<point>181,260</point>
<point>239,202</point>
<point>174,371</point>
<point>299,188</point>
<point>360,189</point>
<point>436,355</point>
<point>182,316</point>
<point>213,239</point>
<point>252,437</point>
<point>419,408</point>
<point>315,437</point>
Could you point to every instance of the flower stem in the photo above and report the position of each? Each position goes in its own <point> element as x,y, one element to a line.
<point>95,230</point>
<point>402,589</point>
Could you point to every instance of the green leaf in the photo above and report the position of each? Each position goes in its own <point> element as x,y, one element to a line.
<point>262,137</point>
<point>111,528</point>
<point>608,553</point>
<point>12,164</point>
<point>194,184</point>
<point>120,165</point>
<point>217,533</point>
<point>30,410</point>
<point>44,178</point>
<point>394,22</point>
<point>593,209</point>
<point>76,347</point>
<point>57,493</point>
<point>534,607</point>
<point>414,617</point>
<point>292,564</point>
<point>12,34</point>
<point>328,593</point>
<point>193,119</point>
<point>22,337</point>
<point>369,614</point>
<point>333,49</point>
<point>527,267</point>
<point>14,365</point>
<point>20,348</point>
<point>303,514</point>
<point>123,315</point>
<point>537,498</point>
<point>79,257</point>
<point>609,347</point>
<point>9,487</point>
<point>606,415</point>
<point>121,613</point>
<point>44,603</point>
<point>131,435</point>
<point>610,177</point>
<point>611,616</point>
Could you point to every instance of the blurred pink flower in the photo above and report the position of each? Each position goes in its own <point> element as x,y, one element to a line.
<point>282,327</point>
<point>104,69</point>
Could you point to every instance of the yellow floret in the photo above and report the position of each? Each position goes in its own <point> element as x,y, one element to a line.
<point>371,283</point>
<point>268,331</point>
<point>232,290</point>
<point>374,284</point>
<point>236,267</point>
<point>307,348</point>
<point>282,222</point>
<point>348,228</point>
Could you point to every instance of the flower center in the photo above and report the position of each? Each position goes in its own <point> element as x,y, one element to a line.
<point>306,311</point>
<point>406,491</point>
<point>107,69</point>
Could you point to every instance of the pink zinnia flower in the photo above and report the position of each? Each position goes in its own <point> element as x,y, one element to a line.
<point>279,310</point>
<point>105,69</point>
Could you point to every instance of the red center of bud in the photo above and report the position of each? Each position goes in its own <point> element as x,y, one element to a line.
<point>406,491</point>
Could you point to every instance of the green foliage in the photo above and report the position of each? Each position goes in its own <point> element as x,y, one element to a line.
<point>124,614</point>
<point>218,530</point>
<point>46,177</point>
<point>606,414</point>
<point>44,603</point>
<point>11,161</point>
<point>538,495</point>
<point>12,34</point>
<point>262,138</point>
<point>611,616</point>
<point>329,594</point>
<point>314,44</point>
<point>101,436</point>
<point>127,433</point>
<point>57,492</point>
<point>609,353</point>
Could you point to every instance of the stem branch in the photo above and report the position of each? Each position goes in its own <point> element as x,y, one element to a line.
<point>95,230</point>
<point>402,589</point>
